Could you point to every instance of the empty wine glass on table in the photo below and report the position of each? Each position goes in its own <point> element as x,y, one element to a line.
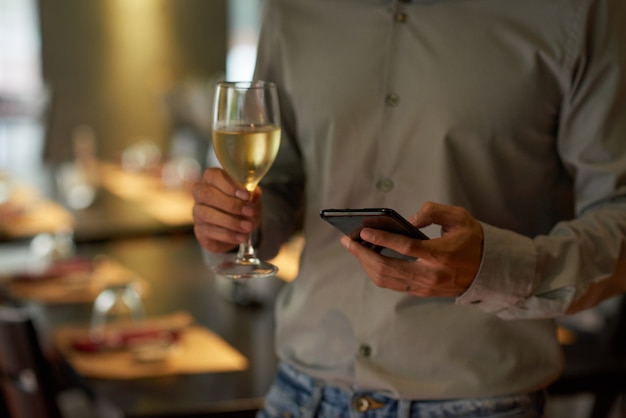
<point>117,304</point>
<point>246,138</point>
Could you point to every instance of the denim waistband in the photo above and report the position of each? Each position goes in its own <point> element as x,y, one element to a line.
<point>336,401</point>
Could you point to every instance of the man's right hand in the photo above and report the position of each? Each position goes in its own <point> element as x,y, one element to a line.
<point>224,213</point>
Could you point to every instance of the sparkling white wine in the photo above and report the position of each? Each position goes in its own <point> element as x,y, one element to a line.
<point>246,152</point>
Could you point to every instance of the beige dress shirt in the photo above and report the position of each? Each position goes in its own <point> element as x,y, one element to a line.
<point>513,109</point>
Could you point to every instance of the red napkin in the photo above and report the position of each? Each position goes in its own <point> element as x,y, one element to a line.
<point>59,268</point>
<point>122,339</point>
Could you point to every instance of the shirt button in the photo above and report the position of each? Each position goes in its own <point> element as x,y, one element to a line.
<point>385,185</point>
<point>401,17</point>
<point>365,350</point>
<point>392,100</point>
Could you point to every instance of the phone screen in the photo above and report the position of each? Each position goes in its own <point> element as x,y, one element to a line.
<point>352,221</point>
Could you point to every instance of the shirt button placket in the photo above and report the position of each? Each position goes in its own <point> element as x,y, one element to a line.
<point>385,185</point>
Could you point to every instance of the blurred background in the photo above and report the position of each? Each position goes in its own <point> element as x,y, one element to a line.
<point>118,71</point>
<point>105,109</point>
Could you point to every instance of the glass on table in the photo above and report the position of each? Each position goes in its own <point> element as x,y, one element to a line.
<point>118,304</point>
<point>246,138</point>
<point>78,181</point>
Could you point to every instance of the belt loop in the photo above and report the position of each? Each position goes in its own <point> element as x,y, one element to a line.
<point>314,400</point>
<point>404,408</point>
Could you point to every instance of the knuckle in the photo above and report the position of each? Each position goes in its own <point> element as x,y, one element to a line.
<point>196,212</point>
<point>374,273</point>
<point>429,206</point>
<point>198,190</point>
<point>378,280</point>
<point>408,247</point>
<point>233,206</point>
<point>212,172</point>
<point>423,291</point>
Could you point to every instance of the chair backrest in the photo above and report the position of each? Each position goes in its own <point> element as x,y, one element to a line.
<point>26,379</point>
<point>619,338</point>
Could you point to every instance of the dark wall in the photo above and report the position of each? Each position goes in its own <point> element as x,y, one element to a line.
<point>110,62</point>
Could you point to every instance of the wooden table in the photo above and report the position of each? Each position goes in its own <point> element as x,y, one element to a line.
<point>179,280</point>
<point>113,217</point>
<point>126,204</point>
<point>132,203</point>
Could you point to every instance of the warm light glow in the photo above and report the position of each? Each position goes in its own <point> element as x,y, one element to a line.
<point>137,29</point>
<point>170,206</point>
<point>565,336</point>
<point>139,48</point>
<point>288,258</point>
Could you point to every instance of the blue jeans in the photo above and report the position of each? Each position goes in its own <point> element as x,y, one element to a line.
<point>294,394</point>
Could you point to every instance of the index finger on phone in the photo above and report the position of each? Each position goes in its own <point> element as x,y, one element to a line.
<point>438,214</point>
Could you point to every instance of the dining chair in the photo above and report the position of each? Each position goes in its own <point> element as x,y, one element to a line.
<point>27,379</point>
<point>33,382</point>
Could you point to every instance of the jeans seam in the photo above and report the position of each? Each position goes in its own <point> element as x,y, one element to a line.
<point>314,401</point>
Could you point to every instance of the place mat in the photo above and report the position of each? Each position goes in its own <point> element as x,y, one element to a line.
<point>197,350</point>
<point>27,214</point>
<point>170,206</point>
<point>81,285</point>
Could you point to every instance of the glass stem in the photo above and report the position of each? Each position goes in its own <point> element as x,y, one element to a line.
<point>246,253</point>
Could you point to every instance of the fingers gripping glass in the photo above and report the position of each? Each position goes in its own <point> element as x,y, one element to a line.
<point>246,137</point>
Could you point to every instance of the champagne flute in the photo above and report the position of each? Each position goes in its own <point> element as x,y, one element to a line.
<point>246,138</point>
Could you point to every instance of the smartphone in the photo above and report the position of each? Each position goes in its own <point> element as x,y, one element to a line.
<point>352,221</point>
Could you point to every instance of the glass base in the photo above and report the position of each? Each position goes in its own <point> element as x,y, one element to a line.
<point>244,269</point>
